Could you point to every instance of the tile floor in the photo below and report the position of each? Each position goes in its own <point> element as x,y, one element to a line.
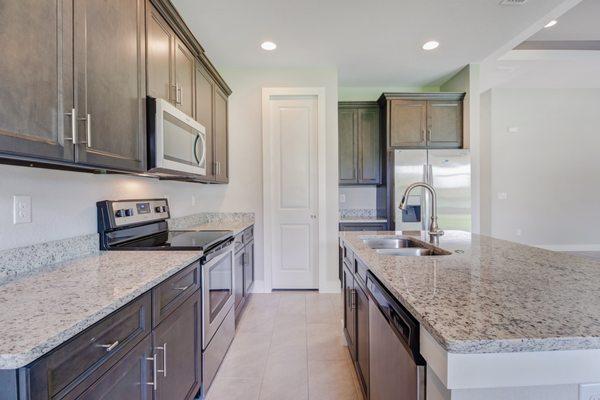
<point>288,345</point>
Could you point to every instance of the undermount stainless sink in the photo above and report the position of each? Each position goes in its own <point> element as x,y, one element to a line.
<point>409,251</point>
<point>389,243</point>
<point>401,246</point>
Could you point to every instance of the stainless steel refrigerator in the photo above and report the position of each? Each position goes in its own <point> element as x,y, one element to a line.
<point>449,172</point>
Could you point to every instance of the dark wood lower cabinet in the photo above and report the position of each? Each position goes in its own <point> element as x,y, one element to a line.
<point>349,310</point>
<point>362,337</point>
<point>177,344</point>
<point>131,378</point>
<point>243,265</point>
<point>238,279</point>
<point>363,226</point>
<point>248,267</point>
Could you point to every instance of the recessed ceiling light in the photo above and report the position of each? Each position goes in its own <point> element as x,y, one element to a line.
<point>432,44</point>
<point>551,23</point>
<point>268,46</point>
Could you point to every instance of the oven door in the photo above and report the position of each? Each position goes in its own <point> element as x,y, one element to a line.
<point>177,141</point>
<point>217,292</point>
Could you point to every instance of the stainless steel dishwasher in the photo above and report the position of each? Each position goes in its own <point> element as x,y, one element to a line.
<point>397,369</point>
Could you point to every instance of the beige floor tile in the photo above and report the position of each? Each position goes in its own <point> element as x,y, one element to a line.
<point>233,389</point>
<point>325,342</point>
<point>330,380</point>
<point>286,375</point>
<point>289,335</point>
<point>256,324</point>
<point>246,358</point>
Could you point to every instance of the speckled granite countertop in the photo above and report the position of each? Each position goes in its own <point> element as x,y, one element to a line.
<point>41,310</point>
<point>235,226</point>
<point>493,296</point>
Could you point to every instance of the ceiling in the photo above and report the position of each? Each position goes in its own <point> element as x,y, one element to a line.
<point>371,43</point>
<point>582,22</point>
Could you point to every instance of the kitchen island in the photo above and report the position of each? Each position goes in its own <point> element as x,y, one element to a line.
<point>497,318</point>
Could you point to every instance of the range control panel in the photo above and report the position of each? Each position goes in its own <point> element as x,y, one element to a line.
<point>132,212</point>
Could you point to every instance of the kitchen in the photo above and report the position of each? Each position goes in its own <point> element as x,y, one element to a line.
<point>145,244</point>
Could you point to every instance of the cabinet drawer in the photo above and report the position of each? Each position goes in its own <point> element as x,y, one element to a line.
<point>360,271</point>
<point>94,350</point>
<point>347,255</point>
<point>247,235</point>
<point>167,296</point>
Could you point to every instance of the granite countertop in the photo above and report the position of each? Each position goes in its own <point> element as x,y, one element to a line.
<point>361,219</point>
<point>491,295</point>
<point>43,309</point>
<point>235,226</point>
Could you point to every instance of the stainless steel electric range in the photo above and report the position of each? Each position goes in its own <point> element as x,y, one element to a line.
<point>141,225</point>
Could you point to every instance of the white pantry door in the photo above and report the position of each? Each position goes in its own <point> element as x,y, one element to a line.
<point>294,191</point>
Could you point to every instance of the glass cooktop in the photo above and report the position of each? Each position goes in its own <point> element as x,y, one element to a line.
<point>177,240</point>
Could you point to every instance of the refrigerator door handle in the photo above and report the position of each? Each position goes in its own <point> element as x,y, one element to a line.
<point>430,174</point>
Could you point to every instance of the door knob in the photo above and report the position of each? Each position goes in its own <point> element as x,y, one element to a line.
<point>313,216</point>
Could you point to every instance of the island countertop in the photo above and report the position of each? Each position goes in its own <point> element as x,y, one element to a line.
<point>491,295</point>
<point>44,309</point>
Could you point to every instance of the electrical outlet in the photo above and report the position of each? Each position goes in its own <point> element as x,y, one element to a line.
<point>502,195</point>
<point>193,200</point>
<point>513,129</point>
<point>519,232</point>
<point>21,209</point>
<point>589,391</point>
<point>342,198</point>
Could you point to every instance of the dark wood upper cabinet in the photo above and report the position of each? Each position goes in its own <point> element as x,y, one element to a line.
<point>360,147</point>
<point>408,123</point>
<point>36,72</point>
<point>444,124</point>
<point>184,78</point>
<point>110,89</point>
<point>348,145</point>
<point>178,345</point>
<point>160,42</point>
<point>204,113</point>
<point>220,137</point>
<point>423,120</point>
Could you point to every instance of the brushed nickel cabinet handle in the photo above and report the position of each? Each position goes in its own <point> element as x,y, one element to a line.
<point>182,288</point>
<point>110,347</point>
<point>178,94</point>
<point>154,382</point>
<point>164,349</point>
<point>73,115</point>
<point>88,130</point>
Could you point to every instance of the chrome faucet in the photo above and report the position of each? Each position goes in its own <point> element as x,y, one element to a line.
<point>434,230</point>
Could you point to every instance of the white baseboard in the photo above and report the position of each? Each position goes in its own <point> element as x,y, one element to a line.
<point>329,287</point>
<point>570,247</point>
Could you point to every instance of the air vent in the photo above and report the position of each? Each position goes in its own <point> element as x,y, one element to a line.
<point>512,2</point>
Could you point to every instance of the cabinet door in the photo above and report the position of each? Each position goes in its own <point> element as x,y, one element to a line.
<point>348,146</point>
<point>369,147</point>
<point>160,42</point>
<point>220,139</point>
<point>444,124</point>
<point>204,113</point>
<point>184,78</point>
<point>362,336</point>
<point>36,75</point>
<point>131,378</point>
<point>408,123</point>
<point>350,311</point>
<point>238,279</point>
<point>110,91</point>
<point>248,267</point>
<point>177,344</point>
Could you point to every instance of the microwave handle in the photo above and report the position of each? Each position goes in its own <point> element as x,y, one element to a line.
<point>201,160</point>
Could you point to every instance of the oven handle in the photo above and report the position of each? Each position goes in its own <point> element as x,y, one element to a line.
<point>215,255</point>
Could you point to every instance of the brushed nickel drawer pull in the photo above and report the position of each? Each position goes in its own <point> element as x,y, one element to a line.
<point>110,347</point>
<point>183,288</point>
<point>73,115</point>
<point>164,349</point>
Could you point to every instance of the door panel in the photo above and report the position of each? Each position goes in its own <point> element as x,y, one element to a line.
<point>294,196</point>
<point>184,78</point>
<point>349,311</point>
<point>179,367</point>
<point>220,137</point>
<point>450,175</point>
<point>409,167</point>
<point>362,336</point>
<point>248,267</point>
<point>110,83</point>
<point>347,120</point>
<point>160,45</point>
<point>36,74</point>
<point>369,146</point>
<point>204,113</point>
<point>128,379</point>
<point>408,123</point>
<point>445,124</point>
<point>238,278</point>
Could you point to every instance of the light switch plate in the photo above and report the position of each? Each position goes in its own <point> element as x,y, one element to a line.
<point>21,209</point>
<point>342,198</point>
<point>502,195</point>
<point>589,391</point>
<point>513,129</point>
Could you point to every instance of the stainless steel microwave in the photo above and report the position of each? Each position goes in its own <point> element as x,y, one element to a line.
<point>176,142</point>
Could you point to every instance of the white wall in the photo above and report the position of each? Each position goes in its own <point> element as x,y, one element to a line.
<point>467,80</point>
<point>358,197</point>
<point>64,202</point>
<point>548,170</point>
